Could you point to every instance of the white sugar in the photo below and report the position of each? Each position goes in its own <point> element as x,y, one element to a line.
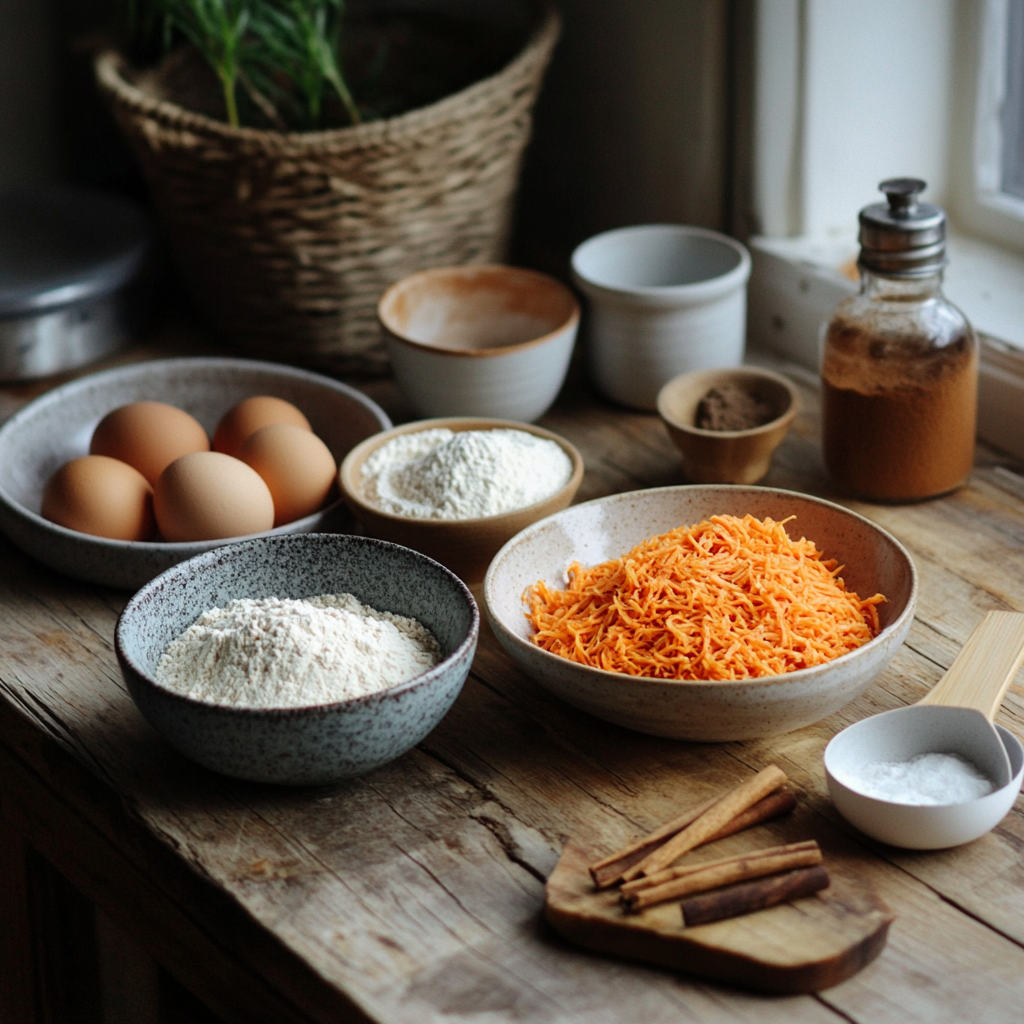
<point>927,779</point>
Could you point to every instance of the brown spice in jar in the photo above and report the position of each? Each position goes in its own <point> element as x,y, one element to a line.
<point>900,427</point>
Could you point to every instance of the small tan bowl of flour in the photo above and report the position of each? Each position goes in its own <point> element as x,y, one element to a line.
<point>457,489</point>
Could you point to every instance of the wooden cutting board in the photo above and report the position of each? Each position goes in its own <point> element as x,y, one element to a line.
<point>809,945</point>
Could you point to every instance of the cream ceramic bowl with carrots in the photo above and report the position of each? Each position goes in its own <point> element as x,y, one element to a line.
<point>486,340</point>
<point>706,710</point>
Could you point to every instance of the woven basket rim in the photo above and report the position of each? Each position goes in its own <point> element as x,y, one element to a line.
<point>109,66</point>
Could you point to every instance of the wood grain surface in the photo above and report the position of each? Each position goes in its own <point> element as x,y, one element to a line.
<point>415,894</point>
<point>806,946</point>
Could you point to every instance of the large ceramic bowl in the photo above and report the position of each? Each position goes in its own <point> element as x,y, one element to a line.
<point>57,427</point>
<point>466,546</point>
<point>695,710</point>
<point>309,745</point>
<point>479,340</point>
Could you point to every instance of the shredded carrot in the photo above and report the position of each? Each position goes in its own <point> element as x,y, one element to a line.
<point>728,598</point>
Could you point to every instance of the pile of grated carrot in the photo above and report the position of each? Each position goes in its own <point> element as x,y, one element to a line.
<point>728,598</point>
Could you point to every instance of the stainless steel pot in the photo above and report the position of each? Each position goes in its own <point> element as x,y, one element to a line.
<point>72,277</point>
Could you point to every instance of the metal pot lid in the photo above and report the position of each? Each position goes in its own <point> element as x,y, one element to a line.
<point>62,244</point>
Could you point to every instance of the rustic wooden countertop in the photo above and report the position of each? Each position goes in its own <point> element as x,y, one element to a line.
<point>414,894</point>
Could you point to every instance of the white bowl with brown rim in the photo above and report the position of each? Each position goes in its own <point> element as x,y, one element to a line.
<point>483,340</point>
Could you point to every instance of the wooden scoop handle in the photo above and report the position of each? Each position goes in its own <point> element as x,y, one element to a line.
<point>985,667</point>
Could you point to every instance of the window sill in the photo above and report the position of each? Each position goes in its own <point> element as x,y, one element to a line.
<point>795,284</point>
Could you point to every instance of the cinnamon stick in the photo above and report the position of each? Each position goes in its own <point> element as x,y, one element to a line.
<point>712,821</point>
<point>681,870</point>
<point>774,805</point>
<point>610,870</point>
<point>747,897</point>
<point>606,872</point>
<point>741,870</point>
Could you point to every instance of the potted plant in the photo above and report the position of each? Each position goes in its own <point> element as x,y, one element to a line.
<point>293,181</point>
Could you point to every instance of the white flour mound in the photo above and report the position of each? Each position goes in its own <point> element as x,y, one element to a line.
<point>283,653</point>
<point>439,474</point>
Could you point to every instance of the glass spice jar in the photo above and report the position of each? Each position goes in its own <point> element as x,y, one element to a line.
<point>900,362</point>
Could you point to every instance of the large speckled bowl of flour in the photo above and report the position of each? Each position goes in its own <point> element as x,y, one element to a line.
<point>320,742</point>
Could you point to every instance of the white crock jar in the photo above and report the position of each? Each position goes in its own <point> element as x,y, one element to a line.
<point>664,299</point>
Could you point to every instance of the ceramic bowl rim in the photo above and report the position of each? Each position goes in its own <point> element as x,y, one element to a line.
<point>800,675</point>
<point>230,550</point>
<point>707,289</point>
<point>392,334</point>
<point>370,444</point>
<point>784,418</point>
<point>55,395</point>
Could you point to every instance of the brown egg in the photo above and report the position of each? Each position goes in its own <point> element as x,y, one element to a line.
<point>209,496</point>
<point>297,466</point>
<point>148,436</point>
<point>102,496</point>
<point>248,416</point>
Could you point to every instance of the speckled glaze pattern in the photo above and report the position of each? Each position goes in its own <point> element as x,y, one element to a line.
<point>57,427</point>
<point>695,710</point>
<point>300,746</point>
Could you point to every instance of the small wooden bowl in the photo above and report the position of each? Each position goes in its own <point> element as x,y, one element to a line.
<point>726,456</point>
<point>466,546</point>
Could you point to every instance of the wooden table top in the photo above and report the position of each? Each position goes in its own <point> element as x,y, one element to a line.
<point>414,894</point>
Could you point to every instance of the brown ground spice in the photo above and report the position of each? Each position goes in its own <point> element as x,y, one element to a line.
<point>899,429</point>
<point>732,407</point>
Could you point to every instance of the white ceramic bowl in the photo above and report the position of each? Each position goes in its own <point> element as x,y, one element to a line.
<point>665,299</point>
<point>57,427</point>
<point>696,710</point>
<point>479,340</point>
<point>899,735</point>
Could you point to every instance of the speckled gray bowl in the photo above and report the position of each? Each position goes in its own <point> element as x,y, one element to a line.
<point>57,427</point>
<point>696,710</point>
<point>313,745</point>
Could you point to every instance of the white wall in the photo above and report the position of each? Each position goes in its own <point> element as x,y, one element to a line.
<point>848,92</point>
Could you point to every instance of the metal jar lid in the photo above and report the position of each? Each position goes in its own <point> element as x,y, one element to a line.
<point>904,237</point>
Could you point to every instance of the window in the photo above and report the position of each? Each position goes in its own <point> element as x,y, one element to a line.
<point>989,195</point>
<point>849,93</point>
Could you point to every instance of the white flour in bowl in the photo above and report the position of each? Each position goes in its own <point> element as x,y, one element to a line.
<point>441,474</point>
<point>284,653</point>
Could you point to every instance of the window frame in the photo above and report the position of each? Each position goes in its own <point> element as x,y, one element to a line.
<point>796,277</point>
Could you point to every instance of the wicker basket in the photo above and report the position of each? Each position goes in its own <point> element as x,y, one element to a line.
<point>286,240</point>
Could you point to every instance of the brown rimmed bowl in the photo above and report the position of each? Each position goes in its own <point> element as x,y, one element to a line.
<point>466,546</point>
<point>694,709</point>
<point>727,456</point>
<point>485,340</point>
